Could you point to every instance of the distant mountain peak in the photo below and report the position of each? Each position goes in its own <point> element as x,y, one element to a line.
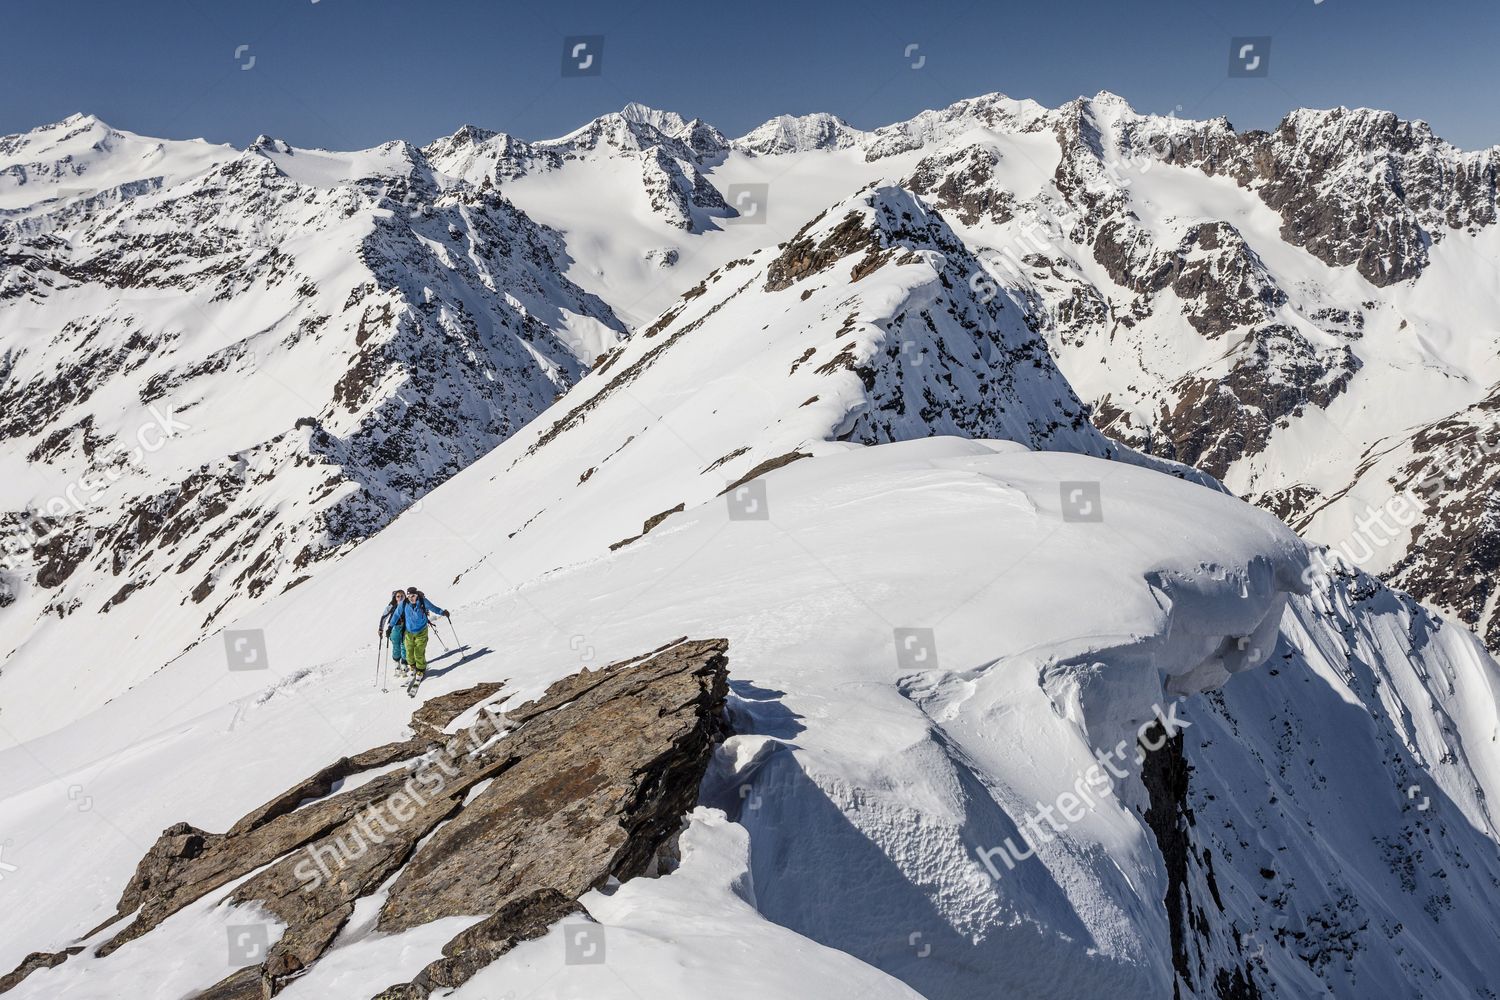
<point>799,133</point>
<point>666,122</point>
<point>269,144</point>
<point>472,135</point>
<point>80,118</point>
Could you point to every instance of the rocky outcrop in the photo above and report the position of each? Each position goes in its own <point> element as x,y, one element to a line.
<point>1220,281</point>
<point>805,255</point>
<point>510,818</point>
<point>524,918</point>
<point>962,183</point>
<point>1275,373</point>
<point>1354,186</point>
<point>1195,913</point>
<point>1445,480</point>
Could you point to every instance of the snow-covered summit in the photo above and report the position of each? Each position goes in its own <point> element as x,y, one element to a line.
<point>799,134</point>
<point>666,122</point>
<point>867,426</point>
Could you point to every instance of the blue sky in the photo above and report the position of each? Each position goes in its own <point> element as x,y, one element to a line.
<point>353,73</point>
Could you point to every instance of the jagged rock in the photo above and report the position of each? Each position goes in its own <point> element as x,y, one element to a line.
<point>962,183</point>
<point>522,919</point>
<point>31,963</point>
<point>589,782</point>
<point>1355,186</point>
<point>804,256</point>
<point>606,763</point>
<point>646,527</point>
<point>1275,372</point>
<point>1191,886</point>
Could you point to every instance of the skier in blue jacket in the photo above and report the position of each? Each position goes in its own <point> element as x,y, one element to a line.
<point>414,612</point>
<point>391,628</point>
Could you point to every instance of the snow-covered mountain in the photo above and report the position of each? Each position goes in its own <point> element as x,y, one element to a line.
<point>1244,302</point>
<point>1012,707</point>
<point>221,368</point>
<point>670,155</point>
<point>1277,309</point>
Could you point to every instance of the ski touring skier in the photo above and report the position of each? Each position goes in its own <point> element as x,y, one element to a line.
<point>414,621</point>
<point>393,629</point>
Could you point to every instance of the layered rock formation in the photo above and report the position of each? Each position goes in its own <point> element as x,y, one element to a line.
<point>509,819</point>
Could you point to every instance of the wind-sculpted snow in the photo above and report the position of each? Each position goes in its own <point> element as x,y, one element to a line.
<point>955,515</point>
<point>1342,843</point>
<point>1015,709</point>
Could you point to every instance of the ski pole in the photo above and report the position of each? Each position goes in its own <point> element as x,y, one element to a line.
<point>440,637</point>
<point>377,661</point>
<point>456,640</point>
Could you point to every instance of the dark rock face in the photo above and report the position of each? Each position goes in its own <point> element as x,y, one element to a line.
<point>962,184</point>
<point>1275,374</point>
<point>522,919</point>
<point>31,963</point>
<point>512,818</point>
<point>1453,561</point>
<point>1191,889</point>
<point>805,256</point>
<point>1220,280</point>
<point>675,188</point>
<point>1355,187</point>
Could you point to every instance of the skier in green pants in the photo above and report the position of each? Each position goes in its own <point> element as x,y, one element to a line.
<point>414,619</point>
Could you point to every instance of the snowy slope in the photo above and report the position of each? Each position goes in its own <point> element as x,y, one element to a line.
<point>837,437</point>
<point>1189,313</point>
<point>229,369</point>
<point>866,778</point>
<point>1272,308</point>
<point>808,612</point>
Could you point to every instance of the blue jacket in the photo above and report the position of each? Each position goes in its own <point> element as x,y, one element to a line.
<point>414,614</point>
<point>392,617</point>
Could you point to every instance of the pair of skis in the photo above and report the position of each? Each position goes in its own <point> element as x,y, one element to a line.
<point>382,671</point>
<point>381,674</point>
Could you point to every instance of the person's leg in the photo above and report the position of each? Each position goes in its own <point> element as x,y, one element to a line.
<point>407,640</point>
<point>398,646</point>
<point>416,651</point>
